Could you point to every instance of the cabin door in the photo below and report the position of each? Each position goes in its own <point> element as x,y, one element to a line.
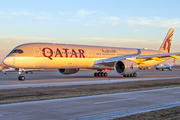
<point>36,51</point>
<point>89,53</point>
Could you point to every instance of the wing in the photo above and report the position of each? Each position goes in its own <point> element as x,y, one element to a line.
<point>140,59</point>
<point>157,57</point>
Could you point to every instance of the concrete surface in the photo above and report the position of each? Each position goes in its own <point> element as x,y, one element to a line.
<point>54,78</point>
<point>105,106</point>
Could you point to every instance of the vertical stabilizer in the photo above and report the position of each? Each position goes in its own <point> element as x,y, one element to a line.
<point>166,45</point>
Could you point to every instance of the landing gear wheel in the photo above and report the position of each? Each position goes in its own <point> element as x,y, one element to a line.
<point>105,74</point>
<point>102,74</point>
<point>124,76</point>
<point>99,74</point>
<point>95,74</point>
<point>130,75</point>
<point>134,75</point>
<point>21,78</point>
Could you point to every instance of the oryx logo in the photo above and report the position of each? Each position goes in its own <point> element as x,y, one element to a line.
<point>167,43</point>
<point>131,66</point>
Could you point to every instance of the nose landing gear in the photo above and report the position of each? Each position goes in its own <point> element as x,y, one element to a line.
<point>21,78</point>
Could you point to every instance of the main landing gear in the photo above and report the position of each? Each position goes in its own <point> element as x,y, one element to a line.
<point>130,75</point>
<point>21,78</point>
<point>100,74</point>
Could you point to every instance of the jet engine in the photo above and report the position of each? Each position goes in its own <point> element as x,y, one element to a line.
<point>68,71</point>
<point>126,67</point>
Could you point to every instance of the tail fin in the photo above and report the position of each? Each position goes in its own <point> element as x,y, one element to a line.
<point>166,45</point>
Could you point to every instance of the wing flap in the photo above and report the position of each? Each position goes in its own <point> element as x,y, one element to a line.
<point>174,55</point>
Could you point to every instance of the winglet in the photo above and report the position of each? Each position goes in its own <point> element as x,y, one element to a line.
<point>166,45</point>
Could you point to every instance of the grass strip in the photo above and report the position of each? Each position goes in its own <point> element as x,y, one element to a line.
<point>164,114</point>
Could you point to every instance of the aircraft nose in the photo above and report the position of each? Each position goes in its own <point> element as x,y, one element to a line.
<point>8,61</point>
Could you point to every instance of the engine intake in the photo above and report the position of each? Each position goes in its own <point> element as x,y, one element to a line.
<point>68,71</point>
<point>126,67</point>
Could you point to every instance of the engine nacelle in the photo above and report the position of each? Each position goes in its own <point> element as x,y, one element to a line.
<point>126,67</point>
<point>68,71</point>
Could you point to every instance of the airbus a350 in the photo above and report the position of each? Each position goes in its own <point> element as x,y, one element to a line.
<point>69,59</point>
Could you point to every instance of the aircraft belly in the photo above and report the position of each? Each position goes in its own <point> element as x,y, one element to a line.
<point>55,63</point>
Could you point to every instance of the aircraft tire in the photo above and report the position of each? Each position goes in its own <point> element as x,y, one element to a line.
<point>99,74</point>
<point>95,74</point>
<point>102,74</point>
<point>124,76</point>
<point>134,75</point>
<point>21,78</point>
<point>105,74</point>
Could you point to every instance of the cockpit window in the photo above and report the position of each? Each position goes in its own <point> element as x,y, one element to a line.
<point>17,51</point>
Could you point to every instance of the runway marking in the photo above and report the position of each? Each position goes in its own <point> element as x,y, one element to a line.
<point>176,93</point>
<point>114,101</point>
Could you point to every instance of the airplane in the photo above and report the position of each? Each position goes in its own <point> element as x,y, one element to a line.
<point>166,66</point>
<point>69,59</point>
<point>2,67</point>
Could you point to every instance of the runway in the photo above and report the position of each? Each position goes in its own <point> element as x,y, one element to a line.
<point>106,106</point>
<point>54,78</point>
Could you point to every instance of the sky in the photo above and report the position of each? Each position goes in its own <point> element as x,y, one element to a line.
<point>117,23</point>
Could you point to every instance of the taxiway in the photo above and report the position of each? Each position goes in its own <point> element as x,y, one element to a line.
<point>106,106</point>
<point>54,78</point>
